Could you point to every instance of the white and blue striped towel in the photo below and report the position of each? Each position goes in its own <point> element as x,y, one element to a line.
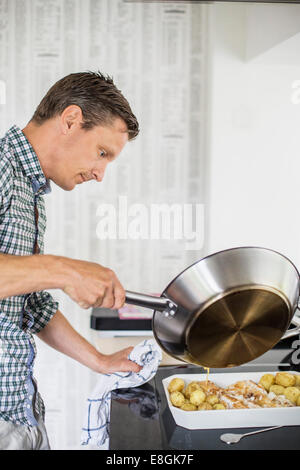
<point>95,431</point>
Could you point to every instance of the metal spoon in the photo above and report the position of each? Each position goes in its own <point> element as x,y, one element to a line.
<point>234,438</point>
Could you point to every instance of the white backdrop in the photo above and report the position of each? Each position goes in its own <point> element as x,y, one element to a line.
<point>157,57</point>
<point>254,160</point>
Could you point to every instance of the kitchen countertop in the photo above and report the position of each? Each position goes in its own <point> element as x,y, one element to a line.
<point>141,419</point>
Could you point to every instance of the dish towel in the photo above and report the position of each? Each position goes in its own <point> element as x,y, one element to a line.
<point>95,431</point>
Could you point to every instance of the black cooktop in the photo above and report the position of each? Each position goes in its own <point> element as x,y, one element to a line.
<point>141,419</point>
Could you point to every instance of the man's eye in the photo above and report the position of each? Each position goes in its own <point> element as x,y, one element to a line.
<point>102,153</point>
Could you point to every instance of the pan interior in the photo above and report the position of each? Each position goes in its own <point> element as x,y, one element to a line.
<point>237,328</point>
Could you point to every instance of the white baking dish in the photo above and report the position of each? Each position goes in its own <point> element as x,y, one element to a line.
<point>238,418</point>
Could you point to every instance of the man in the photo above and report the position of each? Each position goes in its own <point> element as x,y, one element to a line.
<point>80,126</point>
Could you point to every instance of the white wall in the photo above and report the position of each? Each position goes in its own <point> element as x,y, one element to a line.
<point>254,188</point>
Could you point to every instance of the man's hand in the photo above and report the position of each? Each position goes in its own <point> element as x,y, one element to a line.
<point>118,362</point>
<point>92,285</point>
<point>88,284</point>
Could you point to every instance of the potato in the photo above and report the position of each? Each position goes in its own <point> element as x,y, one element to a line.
<point>197,397</point>
<point>192,386</point>
<point>277,389</point>
<point>205,406</point>
<point>177,399</point>
<point>176,385</point>
<point>188,407</point>
<point>285,379</point>
<point>297,378</point>
<point>292,394</point>
<point>266,381</point>
<point>219,406</point>
<point>298,401</point>
<point>212,399</point>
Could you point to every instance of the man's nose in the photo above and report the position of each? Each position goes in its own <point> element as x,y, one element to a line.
<point>98,176</point>
<point>98,173</point>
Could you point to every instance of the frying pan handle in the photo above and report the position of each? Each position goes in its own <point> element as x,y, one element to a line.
<point>163,304</point>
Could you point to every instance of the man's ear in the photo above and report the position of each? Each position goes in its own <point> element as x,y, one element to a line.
<point>71,118</point>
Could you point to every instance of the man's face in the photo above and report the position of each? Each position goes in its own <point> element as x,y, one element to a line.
<point>84,154</point>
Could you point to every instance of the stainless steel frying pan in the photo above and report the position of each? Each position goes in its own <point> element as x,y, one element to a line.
<point>226,309</point>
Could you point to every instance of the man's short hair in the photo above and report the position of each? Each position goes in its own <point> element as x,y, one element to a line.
<point>97,96</point>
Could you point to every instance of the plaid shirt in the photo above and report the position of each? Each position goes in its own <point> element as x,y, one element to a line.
<point>22,227</point>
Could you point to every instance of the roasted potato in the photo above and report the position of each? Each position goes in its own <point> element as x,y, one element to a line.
<point>292,394</point>
<point>277,389</point>
<point>177,399</point>
<point>197,397</point>
<point>191,387</point>
<point>285,379</point>
<point>266,381</point>
<point>212,399</point>
<point>176,385</point>
<point>297,380</point>
<point>219,406</point>
<point>205,406</point>
<point>188,407</point>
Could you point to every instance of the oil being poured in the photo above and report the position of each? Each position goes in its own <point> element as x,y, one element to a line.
<point>207,373</point>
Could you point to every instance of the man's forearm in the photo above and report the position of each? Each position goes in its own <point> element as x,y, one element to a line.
<point>26,274</point>
<point>60,335</point>
<point>87,283</point>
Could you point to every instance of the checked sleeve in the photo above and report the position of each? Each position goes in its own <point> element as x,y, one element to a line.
<point>6,184</point>
<point>40,308</point>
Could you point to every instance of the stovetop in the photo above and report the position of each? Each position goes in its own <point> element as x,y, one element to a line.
<point>141,419</point>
